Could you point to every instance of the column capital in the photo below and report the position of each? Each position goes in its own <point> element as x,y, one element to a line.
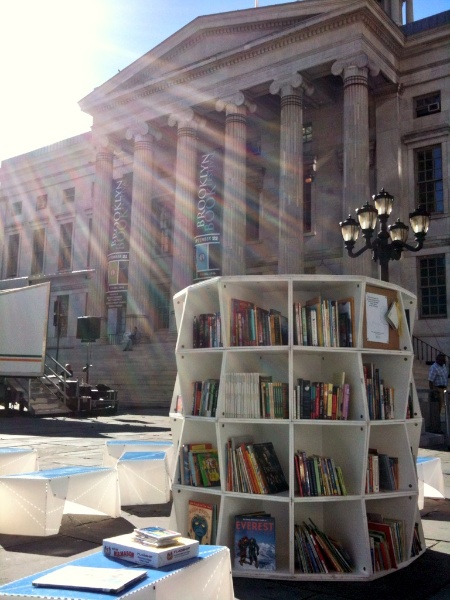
<point>288,84</point>
<point>232,104</point>
<point>186,119</point>
<point>142,131</point>
<point>360,62</point>
<point>103,143</point>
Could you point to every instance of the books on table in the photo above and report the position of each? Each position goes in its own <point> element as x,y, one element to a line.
<point>254,542</point>
<point>127,547</point>
<point>155,536</point>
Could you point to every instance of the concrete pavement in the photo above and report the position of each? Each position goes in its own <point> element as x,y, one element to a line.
<point>63,441</point>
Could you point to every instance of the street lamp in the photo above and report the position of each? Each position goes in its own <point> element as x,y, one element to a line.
<point>382,250</point>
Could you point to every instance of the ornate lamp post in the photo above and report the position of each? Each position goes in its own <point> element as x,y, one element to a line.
<point>390,241</point>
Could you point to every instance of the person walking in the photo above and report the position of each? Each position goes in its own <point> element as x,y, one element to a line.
<point>438,378</point>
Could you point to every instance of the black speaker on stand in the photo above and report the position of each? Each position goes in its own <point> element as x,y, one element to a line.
<point>88,331</point>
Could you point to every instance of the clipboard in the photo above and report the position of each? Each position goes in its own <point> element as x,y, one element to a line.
<point>394,336</point>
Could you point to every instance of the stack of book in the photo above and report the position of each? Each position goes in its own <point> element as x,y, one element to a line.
<point>205,394</point>
<point>316,552</point>
<point>323,322</point>
<point>380,397</point>
<point>153,547</point>
<point>252,325</point>
<point>199,465</point>
<point>387,542</point>
<point>318,476</point>
<point>207,331</point>
<point>255,396</point>
<point>321,400</point>
<point>253,468</point>
<point>382,472</point>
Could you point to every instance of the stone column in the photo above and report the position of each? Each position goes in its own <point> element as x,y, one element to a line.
<point>290,232</point>
<point>185,205</point>
<point>139,268</point>
<point>234,174</point>
<point>356,187</point>
<point>96,304</point>
<point>409,11</point>
<point>396,11</point>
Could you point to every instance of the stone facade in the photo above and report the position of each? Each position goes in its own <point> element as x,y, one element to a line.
<point>308,108</point>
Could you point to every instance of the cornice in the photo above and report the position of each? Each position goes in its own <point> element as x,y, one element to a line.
<point>254,49</point>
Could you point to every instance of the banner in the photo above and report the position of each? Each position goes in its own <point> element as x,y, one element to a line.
<point>207,241</point>
<point>119,241</point>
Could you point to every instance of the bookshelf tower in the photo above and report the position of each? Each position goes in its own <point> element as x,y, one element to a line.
<point>268,331</point>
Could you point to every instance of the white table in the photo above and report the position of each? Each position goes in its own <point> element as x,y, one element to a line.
<point>207,577</point>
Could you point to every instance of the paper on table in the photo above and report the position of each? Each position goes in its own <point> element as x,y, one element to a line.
<point>377,325</point>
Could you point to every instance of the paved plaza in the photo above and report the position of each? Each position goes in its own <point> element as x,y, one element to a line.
<point>62,441</point>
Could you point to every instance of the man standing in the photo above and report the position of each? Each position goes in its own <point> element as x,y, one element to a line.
<point>438,378</point>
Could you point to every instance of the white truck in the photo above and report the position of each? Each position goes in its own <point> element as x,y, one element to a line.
<point>23,330</point>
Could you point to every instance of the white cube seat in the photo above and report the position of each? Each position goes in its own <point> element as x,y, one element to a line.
<point>18,460</point>
<point>33,503</point>
<point>143,478</point>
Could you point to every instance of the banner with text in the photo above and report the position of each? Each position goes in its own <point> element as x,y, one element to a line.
<point>119,242</point>
<point>207,241</point>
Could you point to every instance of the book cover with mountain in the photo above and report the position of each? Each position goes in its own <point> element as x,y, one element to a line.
<point>254,542</point>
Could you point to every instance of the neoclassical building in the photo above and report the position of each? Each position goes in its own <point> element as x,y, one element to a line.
<point>236,146</point>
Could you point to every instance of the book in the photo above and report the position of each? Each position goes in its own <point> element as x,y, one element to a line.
<point>254,542</point>
<point>270,467</point>
<point>127,547</point>
<point>98,579</point>
<point>200,522</point>
<point>157,536</point>
<point>208,462</point>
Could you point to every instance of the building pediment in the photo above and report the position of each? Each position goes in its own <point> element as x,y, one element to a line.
<point>212,38</point>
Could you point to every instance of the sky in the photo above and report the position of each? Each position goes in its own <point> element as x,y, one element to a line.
<point>55,52</point>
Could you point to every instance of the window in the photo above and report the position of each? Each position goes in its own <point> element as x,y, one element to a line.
<point>13,255</point>
<point>37,260</point>
<point>428,104</point>
<point>65,247</point>
<point>307,132</point>
<point>17,208</point>
<point>161,302</point>
<point>41,202</point>
<point>429,184</point>
<point>89,249</point>
<point>61,325</point>
<point>307,205</point>
<point>433,287</point>
<point>69,195</point>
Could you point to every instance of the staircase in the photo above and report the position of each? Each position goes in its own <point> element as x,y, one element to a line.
<point>143,378</point>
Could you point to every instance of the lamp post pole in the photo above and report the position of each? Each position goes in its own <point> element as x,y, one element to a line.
<point>390,240</point>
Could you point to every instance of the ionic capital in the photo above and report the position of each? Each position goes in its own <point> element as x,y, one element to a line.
<point>141,131</point>
<point>287,85</point>
<point>235,103</point>
<point>186,119</point>
<point>359,64</point>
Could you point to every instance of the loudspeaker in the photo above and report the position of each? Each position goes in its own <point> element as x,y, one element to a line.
<point>88,328</point>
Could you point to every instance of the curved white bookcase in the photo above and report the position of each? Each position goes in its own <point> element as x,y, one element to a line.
<point>348,442</point>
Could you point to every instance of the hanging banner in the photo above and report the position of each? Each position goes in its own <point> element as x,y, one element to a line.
<point>208,241</point>
<point>119,241</point>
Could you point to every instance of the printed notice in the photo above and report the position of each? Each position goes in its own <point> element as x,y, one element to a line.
<point>377,325</point>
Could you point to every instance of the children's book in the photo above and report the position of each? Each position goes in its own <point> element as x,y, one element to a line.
<point>254,542</point>
<point>200,525</point>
